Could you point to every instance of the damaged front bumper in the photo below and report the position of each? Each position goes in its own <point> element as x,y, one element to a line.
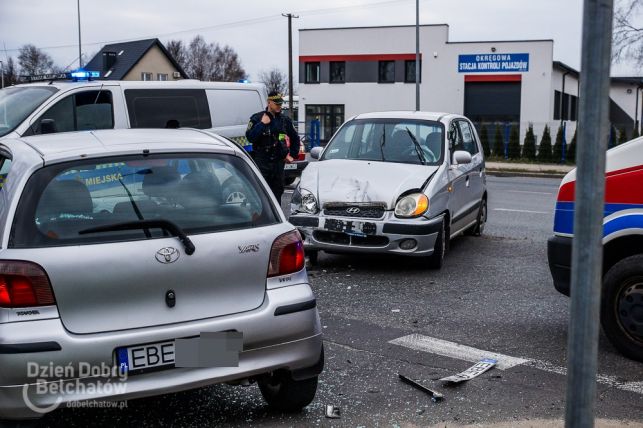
<point>413,237</point>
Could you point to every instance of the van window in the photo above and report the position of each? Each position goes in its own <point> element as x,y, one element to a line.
<point>82,111</point>
<point>232,106</point>
<point>17,103</point>
<point>168,108</point>
<point>200,193</point>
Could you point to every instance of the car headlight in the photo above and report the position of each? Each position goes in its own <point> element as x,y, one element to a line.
<point>413,205</point>
<point>304,201</point>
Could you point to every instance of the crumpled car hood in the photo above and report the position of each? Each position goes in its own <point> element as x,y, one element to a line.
<point>340,180</point>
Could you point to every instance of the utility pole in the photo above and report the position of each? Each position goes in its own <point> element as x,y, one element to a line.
<point>417,55</point>
<point>290,16</point>
<point>2,73</point>
<point>587,248</point>
<point>80,54</point>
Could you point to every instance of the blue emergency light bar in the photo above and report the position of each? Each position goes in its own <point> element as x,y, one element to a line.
<point>76,76</point>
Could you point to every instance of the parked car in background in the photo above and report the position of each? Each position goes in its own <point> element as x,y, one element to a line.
<point>54,106</point>
<point>622,292</point>
<point>393,182</point>
<point>118,245</point>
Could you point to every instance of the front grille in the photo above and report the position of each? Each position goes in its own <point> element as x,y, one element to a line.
<point>355,211</point>
<point>345,239</point>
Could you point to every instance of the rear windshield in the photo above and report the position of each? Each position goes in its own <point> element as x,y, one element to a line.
<point>17,103</point>
<point>199,193</point>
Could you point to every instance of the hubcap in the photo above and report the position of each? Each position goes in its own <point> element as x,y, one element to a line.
<point>630,308</point>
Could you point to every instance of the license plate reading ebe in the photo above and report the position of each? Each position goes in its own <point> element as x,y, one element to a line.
<point>141,357</point>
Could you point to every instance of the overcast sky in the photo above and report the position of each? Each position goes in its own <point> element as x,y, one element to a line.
<point>258,32</point>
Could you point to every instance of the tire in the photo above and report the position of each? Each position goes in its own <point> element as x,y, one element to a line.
<point>436,260</point>
<point>285,394</point>
<point>622,306</point>
<point>312,256</point>
<point>478,228</point>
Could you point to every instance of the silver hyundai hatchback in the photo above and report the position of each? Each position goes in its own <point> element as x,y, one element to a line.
<point>393,182</point>
<point>141,262</point>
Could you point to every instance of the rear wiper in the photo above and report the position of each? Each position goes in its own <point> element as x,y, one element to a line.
<point>166,225</point>
<point>382,142</point>
<point>418,148</point>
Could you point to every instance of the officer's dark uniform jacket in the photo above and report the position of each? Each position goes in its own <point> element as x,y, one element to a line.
<point>269,147</point>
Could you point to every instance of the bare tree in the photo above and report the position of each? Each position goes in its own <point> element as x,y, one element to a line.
<point>275,80</point>
<point>208,61</point>
<point>628,32</point>
<point>34,61</point>
<point>10,72</point>
<point>179,51</point>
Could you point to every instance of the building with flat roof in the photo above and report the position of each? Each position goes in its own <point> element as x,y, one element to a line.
<point>347,71</point>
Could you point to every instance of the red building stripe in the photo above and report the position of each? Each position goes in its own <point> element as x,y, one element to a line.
<point>493,78</point>
<point>369,57</point>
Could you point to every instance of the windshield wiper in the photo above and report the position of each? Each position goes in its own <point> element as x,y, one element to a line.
<point>418,148</point>
<point>382,142</point>
<point>163,224</point>
<point>131,199</point>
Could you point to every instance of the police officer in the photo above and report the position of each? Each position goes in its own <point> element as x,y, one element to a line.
<point>274,142</point>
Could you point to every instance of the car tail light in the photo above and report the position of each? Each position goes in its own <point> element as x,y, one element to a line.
<point>302,153</point>
<point>24,284</point>
<point>286,254</point>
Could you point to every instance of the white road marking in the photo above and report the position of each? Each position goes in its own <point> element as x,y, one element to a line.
<point>521,211</point>
<point>531,192</point>
<point>445,348</point>
<point>455,350</point>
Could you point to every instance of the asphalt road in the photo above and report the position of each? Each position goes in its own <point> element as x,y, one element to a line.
<point>493,294</point>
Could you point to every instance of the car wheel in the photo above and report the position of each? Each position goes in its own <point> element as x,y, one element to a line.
<point>436,260</point>
<point>622,306</point>
<point>478,228</point>
<point>289,180</point>
<point>312,256</point>
<point>283,393</point>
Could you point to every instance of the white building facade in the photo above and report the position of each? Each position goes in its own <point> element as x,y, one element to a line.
<point>347,71</point>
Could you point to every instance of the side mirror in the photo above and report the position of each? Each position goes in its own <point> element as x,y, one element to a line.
<point>316,152</point>
<point>461,157</point>
<point>48,126</point>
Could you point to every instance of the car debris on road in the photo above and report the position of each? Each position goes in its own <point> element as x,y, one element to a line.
<point>333,412</point>
<point>473,371</point>
<point>435,396</point>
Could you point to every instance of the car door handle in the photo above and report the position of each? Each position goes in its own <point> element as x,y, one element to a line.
<point>467,181</point>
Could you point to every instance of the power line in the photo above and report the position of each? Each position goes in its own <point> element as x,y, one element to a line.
<point>233,24</point>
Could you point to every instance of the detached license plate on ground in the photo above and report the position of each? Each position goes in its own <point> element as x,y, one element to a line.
<point>358,228</point>
<point>290,166</point>
<point>142,357</point>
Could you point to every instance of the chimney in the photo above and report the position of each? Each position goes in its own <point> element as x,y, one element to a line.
<point>109,59</point>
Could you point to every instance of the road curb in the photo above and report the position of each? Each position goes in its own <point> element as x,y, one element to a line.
<point>519,173</point>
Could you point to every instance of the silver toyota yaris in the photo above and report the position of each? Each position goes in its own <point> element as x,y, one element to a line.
<point>394,182</point>
<point>143,262</point>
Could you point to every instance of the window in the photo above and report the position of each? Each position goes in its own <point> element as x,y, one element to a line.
<point>556,105</point>
<point>245,102</point>
<point>168,108</point>
<point>409,71</point>
<point>386,72</point>
<point>161,76</point>
<point>337,72</point>
<point>5,166</point>
<point>465,139</point>
<point>81,111</point>
<point>573,108</point>
<point>312,72</point>
<point>565,111</point>
<point>389,140</point>
<point>198,192</point>
<point>17,103</point>
<point>147,76</point>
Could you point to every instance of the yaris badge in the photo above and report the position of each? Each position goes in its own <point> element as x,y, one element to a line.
<point>167,255</point>
<point>353,210</point>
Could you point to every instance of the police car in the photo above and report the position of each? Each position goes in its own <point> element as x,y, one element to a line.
<point>622,292</point>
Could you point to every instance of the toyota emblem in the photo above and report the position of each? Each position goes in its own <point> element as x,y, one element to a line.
<point>353,210</point>
<point>167,255</point>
